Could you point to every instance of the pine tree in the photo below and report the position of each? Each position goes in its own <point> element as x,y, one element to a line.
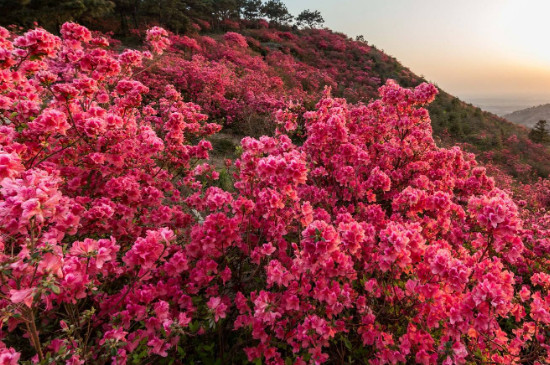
<point>540,133</point>
<point>310,18</point>
<point>251,9</point>
<point>276,12</point>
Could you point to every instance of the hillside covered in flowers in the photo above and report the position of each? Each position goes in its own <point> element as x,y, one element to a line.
<point>244,72</point>
<point>259,195</point>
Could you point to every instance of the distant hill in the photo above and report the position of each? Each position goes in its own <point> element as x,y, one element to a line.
<point>530,116</point>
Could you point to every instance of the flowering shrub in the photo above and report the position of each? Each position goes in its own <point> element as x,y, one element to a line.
<point>236,39</point>
<point>242,81</point>
<point>91,189</point>
<point>364,242</point>
<point>232,85</point>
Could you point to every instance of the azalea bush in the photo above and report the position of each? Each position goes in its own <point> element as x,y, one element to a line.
<point>348,236</point>
<point>242,80</point>
<point>232,84</point>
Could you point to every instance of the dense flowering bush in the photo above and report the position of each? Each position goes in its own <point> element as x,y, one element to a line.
<point>232,85</point>
<point>364,242</point>
<point>92,177</point>
<point>235,39</point>
<point>242,80</point>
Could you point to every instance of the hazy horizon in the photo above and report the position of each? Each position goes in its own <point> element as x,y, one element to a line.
<point>494,49</point>
<point>504,105</point>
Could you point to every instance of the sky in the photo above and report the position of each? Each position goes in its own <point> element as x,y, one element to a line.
<point>488,51</point>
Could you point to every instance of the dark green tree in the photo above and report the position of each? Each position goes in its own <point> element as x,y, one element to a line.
<point>50,14</point>
<point>276,11</point>
<point>168,13</point>
<point>176,15</point>
<point>225,9</point>
<point>251,9</point>
<point>128,13</point>
<point>311,19</point>
<point>540,133</point>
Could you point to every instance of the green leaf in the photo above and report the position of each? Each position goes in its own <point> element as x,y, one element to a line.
<point>347,343</point>
<point>194,326</point>
<point>21,127</point>
<point>181,352</point>
<point>55,289</point>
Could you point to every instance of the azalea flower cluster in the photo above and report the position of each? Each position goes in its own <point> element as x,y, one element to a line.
<point>348,235</point>
<point>241,79</point>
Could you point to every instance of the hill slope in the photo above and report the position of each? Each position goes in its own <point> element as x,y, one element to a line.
<point>530,116</point>
<point>241,78</point>
<point>242,85</point>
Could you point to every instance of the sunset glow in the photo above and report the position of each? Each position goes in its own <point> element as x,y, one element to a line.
<point>523,28</point>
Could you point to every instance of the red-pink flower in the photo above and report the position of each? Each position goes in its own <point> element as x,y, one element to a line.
<point>157,37</point>
<point>24,296</point>
<point>10,165</point>
<point>8,356</point>
<point>218,308</point>
<point>146,251</point>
